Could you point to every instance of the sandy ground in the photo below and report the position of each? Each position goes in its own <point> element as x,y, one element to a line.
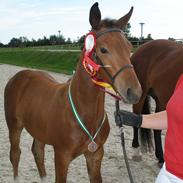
<point>113,165</point>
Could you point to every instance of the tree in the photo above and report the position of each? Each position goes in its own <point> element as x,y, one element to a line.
<point>171,39</point>
<point>19,42</point>
<point>134,41</point>
<point>14,42</point>
<point>53,40</point>
<point>42,42</point>
<point>148,38</point>
<point>81,39</point>
<point>127,31</point>
<point>45,41</point>
<point>2,45</point>
<point>23,41</point>
<point>61,40</point>
<point>68,41</point>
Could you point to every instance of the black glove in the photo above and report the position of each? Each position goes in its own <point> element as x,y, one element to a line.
<point>127,118</point>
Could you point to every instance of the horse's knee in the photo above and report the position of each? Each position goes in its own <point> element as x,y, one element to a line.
<point>15,155</point>
<point>34,150</point>
<point>37,150</point>
<point>93,161</point>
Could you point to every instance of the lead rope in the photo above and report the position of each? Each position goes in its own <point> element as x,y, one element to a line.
<point>123,144</point>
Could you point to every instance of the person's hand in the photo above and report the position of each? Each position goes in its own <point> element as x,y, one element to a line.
<point>127,118</point>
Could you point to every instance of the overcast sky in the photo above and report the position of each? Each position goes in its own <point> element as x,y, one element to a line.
<point>38,18</point>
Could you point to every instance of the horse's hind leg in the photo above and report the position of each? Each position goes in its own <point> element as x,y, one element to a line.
<point>158,147</point>
<point>14,136</point>
<point>143,107</point>
<point>38,152</point>
<point>137,108</point>
<point>93,161</point>
<point>157,138</point>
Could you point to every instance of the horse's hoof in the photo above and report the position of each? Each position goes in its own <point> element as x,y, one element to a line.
<point>160,164</point>
<point>44,180</point>
<point>136,154</point>
<point>16,180</point>
<point>137,158</point>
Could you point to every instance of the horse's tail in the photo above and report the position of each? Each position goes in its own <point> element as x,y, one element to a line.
<point>146,134</point>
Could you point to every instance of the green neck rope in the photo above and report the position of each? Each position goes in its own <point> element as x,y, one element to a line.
<point>81,124</point>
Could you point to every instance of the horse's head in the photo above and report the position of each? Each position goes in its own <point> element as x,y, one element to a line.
<point>111,53</point>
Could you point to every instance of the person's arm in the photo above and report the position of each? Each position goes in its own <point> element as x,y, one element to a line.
<point>153,121</point>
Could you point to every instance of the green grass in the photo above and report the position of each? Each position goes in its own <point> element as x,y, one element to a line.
<point>60,47</point>
<point>62,62</point>
<point>43,57</point>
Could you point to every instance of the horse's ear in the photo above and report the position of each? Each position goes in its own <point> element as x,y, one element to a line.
<point>122,22</point>
<point>95,16</point>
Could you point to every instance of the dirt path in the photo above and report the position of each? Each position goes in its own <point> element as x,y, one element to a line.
<point>113,165</point>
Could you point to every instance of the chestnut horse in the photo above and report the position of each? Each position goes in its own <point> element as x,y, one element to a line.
<point>158,65</point>
<point>71,116</point>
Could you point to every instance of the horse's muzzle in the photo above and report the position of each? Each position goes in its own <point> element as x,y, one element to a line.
<point>132,97</point>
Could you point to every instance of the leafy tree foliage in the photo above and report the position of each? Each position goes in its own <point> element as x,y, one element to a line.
<point>1,45</point>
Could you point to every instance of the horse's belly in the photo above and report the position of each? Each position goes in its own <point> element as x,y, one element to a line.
<point>37,128</point>
<point>38,134</point>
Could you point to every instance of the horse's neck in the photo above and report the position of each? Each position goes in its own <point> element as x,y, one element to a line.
<point>86,94</point>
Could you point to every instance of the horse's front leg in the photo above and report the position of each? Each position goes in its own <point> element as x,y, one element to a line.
<point>62,160</point>
<point>93,161</point>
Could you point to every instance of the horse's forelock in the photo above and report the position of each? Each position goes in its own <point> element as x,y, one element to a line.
<point>107,23</point>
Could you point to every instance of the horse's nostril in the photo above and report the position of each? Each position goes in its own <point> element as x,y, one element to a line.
<point>131,96</point>
<point>129,92</point>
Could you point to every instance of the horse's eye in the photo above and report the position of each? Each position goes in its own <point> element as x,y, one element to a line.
<point>103,50</point>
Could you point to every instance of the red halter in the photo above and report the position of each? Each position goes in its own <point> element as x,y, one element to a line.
<point>90,42</point>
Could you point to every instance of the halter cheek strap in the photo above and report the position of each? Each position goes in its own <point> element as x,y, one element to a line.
<point>112,78</point>
<point>90,66</point>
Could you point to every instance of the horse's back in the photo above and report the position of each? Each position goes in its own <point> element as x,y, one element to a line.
<point>156,48</point>
<point>158,65</point>
<point>153,50</point>
<point>20,81</point>
<point>154,54</point>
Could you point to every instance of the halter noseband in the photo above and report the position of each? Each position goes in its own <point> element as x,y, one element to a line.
<point>112,78</point>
